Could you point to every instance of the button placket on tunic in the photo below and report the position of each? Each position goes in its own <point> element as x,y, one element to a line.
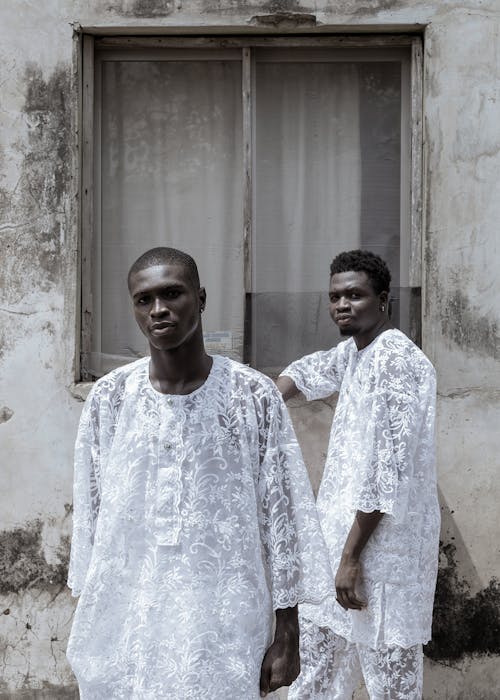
<point>166,514</point>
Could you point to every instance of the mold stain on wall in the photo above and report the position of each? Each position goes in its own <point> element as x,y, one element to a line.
<point>461,321</point>
<point>463,623</point>
<point>465,325</point>
<point>6,414</point>
<point>144,8</point>
<point>37,207</point>
<point>373,7</point>
<point>22,563</point>
<point>48,691</point>
<point>286,6</point>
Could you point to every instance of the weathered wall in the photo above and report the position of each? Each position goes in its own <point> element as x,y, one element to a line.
<point>38,277</point>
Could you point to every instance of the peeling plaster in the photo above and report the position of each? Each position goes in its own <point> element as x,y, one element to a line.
<point>270,12</point>
<point>143,8</point>
<point>375,7</point>
<point>32,645</point>
<point>49,691</point>
<point>37,212</point>
<point>22,561</point>
<point>6,414</point>
<point>286,6</point>
<point>284,20</point>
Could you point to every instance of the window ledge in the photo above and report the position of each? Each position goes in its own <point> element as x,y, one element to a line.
<point>80,390</point>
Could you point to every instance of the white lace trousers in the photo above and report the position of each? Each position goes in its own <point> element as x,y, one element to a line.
<point>332,667</point>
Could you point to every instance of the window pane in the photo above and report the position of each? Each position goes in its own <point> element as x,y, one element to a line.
<point>327,179</point>
<point>170,168</point>
<point>330,163</point>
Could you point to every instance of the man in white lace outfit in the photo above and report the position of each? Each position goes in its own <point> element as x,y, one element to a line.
<point>193,516</point>
<point>377,502</point>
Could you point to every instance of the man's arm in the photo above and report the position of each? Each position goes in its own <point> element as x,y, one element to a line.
<point>281,664</point>
<point>86,491</point>
<point>349,569</point>
<point>287,387</point>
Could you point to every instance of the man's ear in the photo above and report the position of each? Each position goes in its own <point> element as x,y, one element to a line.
<point>202,295</point>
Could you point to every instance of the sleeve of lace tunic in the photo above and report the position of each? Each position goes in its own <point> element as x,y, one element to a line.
<point>396,444</point>
<point>86,492</point>
<point>294,549</point>
<point>317,375</point>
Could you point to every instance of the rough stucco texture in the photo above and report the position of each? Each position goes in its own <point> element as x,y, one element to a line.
<point>38,319</point>
<point>35,610</point>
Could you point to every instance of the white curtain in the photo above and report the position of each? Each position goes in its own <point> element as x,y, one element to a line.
<point>170,165</point>
<point>308,201</point>
<point>169,171</point>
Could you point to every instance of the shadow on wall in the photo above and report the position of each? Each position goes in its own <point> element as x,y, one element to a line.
<point>463,622</point>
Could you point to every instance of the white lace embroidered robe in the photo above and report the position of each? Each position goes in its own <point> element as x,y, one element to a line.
<point>381,456</point>
<point>193,520</point>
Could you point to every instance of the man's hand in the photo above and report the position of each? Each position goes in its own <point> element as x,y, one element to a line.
<point>348,574</point>
<point>349,571</point>
<point>281,664</point>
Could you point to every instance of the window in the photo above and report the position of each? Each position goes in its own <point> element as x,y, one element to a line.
<point>263,159</point>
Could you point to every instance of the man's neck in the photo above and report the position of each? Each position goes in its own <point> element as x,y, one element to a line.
<point>364,339</point>
<point>181,370</point>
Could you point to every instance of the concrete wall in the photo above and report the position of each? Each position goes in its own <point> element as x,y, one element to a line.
<point>38,277</point>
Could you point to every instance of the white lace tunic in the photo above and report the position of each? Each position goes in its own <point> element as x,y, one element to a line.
<point>193,520</point>
<point>380,457</point>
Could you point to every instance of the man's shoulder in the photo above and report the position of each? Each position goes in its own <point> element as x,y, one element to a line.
<point>395,340</point>
<point>113,382</point>
<point>396,347</point>
<point>245,376</point>
<point>323,358</point>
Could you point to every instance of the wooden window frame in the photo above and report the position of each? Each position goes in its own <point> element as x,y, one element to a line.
<point>88,116</point>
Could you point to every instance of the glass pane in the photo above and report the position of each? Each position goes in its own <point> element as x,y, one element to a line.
<point>170,164</point>
<point>327,179</point>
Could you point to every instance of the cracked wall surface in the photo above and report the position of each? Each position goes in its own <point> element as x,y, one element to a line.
<point>35,610</point>
<point>39,243</point>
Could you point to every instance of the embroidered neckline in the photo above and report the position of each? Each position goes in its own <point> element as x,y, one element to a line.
<point>216,363</point>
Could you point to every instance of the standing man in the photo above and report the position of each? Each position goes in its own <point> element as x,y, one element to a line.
<point>193,516</point>
<point>377,502</point>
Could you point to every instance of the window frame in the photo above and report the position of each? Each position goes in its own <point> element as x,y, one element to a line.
<point>92,45</point>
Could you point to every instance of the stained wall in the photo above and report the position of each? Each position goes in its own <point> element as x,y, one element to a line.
<point>39,244</point>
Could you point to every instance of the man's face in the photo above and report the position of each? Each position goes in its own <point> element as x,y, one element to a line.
<point>354,305</point>
<point>166,305</point>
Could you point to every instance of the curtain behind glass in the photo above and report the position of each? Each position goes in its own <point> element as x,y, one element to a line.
<point>327,153</point>
<point>170,175</point>
<point>327,179</point>
<point>308,198</point>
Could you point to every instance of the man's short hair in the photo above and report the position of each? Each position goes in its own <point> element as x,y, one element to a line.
<point>364,261</point>
<point>166,256</point>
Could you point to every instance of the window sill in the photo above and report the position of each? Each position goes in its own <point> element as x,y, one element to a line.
<point>80,390</point>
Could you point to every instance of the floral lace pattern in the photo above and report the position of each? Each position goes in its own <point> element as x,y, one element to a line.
<point>332,668</point>
<point>193,520</point>
<point>380,457</point>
